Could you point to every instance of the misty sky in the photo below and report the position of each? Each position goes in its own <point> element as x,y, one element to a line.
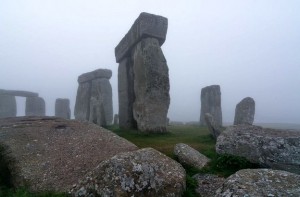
<point>250,48</point>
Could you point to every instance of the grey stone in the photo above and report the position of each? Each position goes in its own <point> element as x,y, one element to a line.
<point>94,98</point>
<point>211,103</point>
<point>145,172</point>
<point>62,108</point>
<point>116,119</point>
<point>244,111</point>
<point>82,105</point>
<point>8,106</point>
<point>101,109</point>
<point>99,73</point>
<point>207,184</point>
<point>189,156</point>
<point>277,149</point>
<point>35,106</point>
<point>151,86</point>
<point>260,182</point>
<point>146,25</point>
<point>213,128</point>
<point>18,93</point>
<point>126,94</point>
<point>51,154</point>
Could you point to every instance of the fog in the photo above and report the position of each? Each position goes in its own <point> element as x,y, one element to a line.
<point>250,48</point>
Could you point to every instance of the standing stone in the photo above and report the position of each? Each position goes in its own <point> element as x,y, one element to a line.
<point>151,86</point>
<point>213,128</point>
<point>244,111</point>
<point>94,97</point>
<point>82,105</point>
<point>116,119</point>
<point>126,94</point>
<point>211,103</point>
<point>101,111</point>
<point>8,106</point>
<point>62,108</point>
<point>35,106</point>
<point>143,84</point>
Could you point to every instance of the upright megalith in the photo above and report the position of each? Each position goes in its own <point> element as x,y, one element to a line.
<point>211,103</point>
<point>143,75</point>
<point>151,86</point>
<point>8,106</point>
<point>244,111</point>
<point>35,106</point>
<point>62,108</point>
<point>94,97</point>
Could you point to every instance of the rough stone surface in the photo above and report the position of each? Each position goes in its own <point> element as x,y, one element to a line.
<point>99,73</point>
<point>144,172</point>
<point>18,93</point>
<point>189,156</point>
<point>277,149</point>
<point>146,25</point>
<point>151,86</point>
<point>35,106</point>
<point>49,153</point>
<point>211,103</point>
<point>126,94</point>
<point>8,106</point>
<point>213,128</point>
<point>101,109</point>
<point>244,111</point>
<point>116,119</point>
<point>207,184</point>
<point>62,108</point>
<point>82,105</point>
<point>261,182</point>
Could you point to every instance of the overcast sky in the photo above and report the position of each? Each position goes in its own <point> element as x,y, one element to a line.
<point>250,48</point>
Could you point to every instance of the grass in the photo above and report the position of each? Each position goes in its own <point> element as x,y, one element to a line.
<point>195,136</point>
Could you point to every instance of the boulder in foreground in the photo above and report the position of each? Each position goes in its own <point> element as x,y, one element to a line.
<point>261,182</point>
<point>189,156</point>
<point>271,148</point>
<point>145,172</point>
<point>50,154</point>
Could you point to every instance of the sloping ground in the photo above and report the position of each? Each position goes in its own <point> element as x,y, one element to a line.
<point>49,153</point>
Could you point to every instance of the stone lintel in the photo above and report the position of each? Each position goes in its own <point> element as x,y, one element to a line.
<point>18,93</point>
<point>99,73</point>
<point>146,25</point>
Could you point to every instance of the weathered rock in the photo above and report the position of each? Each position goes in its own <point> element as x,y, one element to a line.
<point>213,128</point>
<point>51,154</point>
<point>8,106</point>
<point>126,94</point>
<point>62,108</point>
<point>144,172</point>
<point>244,111</point>
<point>101,110</point>
<point>189,156</point>
<point>151,86</point>
<point>82,105</point>
<point>207,184</point>
<point>35,106</point>
<point>94,97</point>
<point>18,93</point>
<point>278,149</point>
<point>261,182</point>
<point>116,119</point>
<point>146,25</point>
<point>99,73</point>
<point>211,103</point>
